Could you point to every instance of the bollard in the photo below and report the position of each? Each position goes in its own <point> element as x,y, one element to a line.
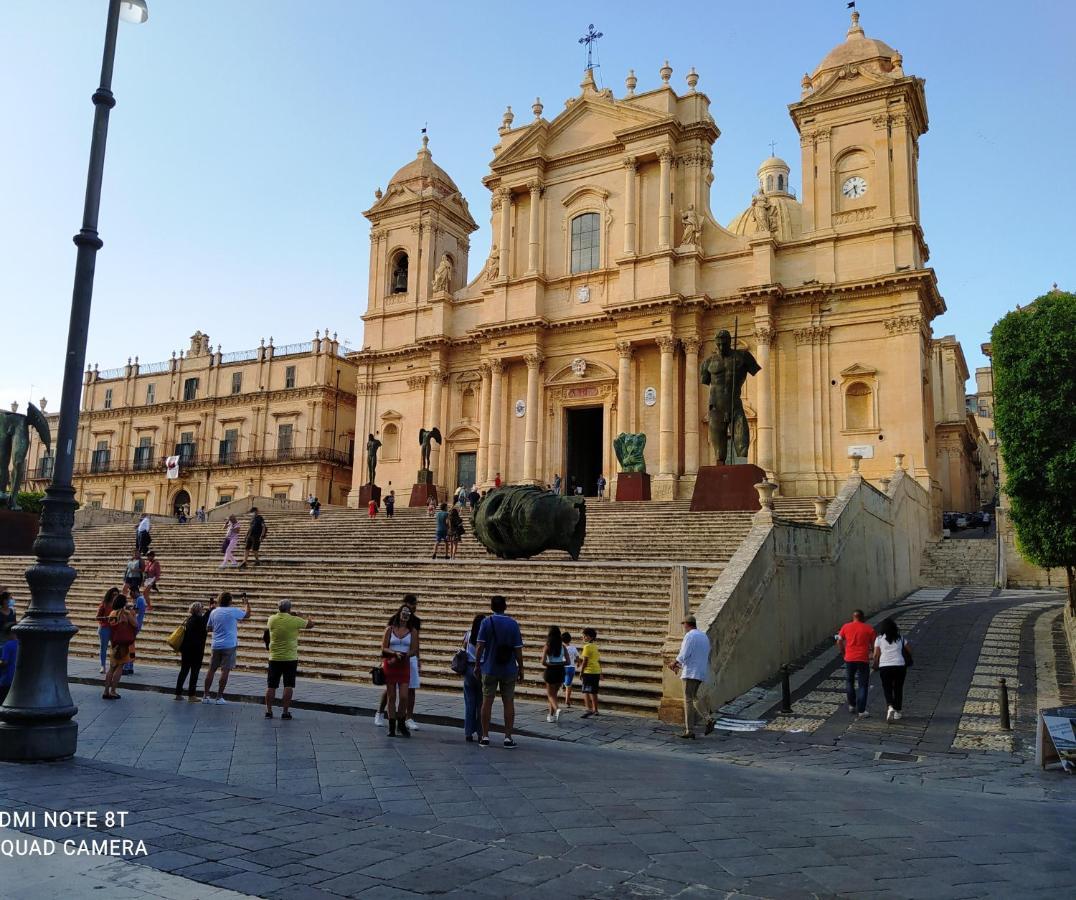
<point>1003,702</point>
<point>786,691</point>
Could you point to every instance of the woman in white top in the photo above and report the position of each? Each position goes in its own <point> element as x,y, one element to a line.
<point>399,644</point>
<point>892,656</point>
<point>472,687</point>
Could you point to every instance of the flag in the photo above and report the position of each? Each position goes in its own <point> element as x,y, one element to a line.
<point>852,5</point>
<point>171,465</point>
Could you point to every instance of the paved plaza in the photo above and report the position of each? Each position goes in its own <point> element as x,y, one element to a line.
<point>812,805</point>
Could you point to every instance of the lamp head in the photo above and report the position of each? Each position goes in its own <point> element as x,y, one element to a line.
<point>134,11</point>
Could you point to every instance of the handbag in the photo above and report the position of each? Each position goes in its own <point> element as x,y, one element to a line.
<point>460,663</point>
<point>175,639</point>
<point>224,545</point>
<point>377,675</point>
<point>907,654</point>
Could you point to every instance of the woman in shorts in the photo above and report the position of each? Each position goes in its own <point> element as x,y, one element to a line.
<point>555,661</point>
<point>121,622</point>
<point>398,645</point>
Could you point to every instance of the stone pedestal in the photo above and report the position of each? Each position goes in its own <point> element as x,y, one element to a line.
<point>633,486</point>
<point>423,489</point>
<point>727,488</point>
<point>367,493</point>
<point>18,530</point>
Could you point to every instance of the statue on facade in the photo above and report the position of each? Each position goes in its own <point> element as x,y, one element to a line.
<point>442,278</point>
<point>763,212</point>
<point>692,227</point>
<point>493,263</point>
<point>523,520</point>
<point>199,344</point>
<point>14,447</point>
<point>725,371</point>
<point>372,446</point>
<point>425,439</point>
<point>629,451</point>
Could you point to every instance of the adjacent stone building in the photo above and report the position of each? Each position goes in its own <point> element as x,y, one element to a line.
<point>964,458</point>
<point>275,421</point>
<point>609,277</point>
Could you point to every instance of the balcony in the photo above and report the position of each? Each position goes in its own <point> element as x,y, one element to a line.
<point>222,458</point>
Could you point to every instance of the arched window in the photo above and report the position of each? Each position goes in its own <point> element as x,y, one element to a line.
<point>399,273</point>
<point>467,410</point>
<point>390,442</point>
<point>858,402</point>
<point>780,182</point>
<point>586,242</point>
<point>769,182</point>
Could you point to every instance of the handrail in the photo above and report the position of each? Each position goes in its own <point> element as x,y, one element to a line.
<point>293,349</point>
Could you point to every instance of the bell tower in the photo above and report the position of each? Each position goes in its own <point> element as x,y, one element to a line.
<point>860,118</point>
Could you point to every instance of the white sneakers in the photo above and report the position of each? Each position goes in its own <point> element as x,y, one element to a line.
<point>897,715</point>
<point>220,701</point>
<point>206,699</point>
<point>549,718</point>
<point>892,715</point>
<point>379,719</point>
<point>411,724</point>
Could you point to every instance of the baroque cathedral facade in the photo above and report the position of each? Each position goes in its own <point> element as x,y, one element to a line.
<point>609,277</point>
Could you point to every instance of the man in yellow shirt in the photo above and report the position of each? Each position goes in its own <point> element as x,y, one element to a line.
<point>283,642</point>
<point>590,671</point>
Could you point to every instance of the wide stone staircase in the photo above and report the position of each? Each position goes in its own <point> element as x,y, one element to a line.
<point>964,561</point>
<point>349,572</point>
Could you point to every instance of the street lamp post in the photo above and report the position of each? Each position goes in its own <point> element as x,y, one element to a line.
<point>36,719</point>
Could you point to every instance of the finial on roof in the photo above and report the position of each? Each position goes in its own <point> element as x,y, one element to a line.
<point>855,29</point>
<point>537,107</point>
<point>666,73</point>
<point>334,336</point>
<point>587,84</point>
<point>806,84</point>
<point>630,82</point>
<point>43,403</point>
<point>377,194</point>
<point>692,79</point>
<point>1055,289</point>
<point>317,334</point>
<point>506,120</point>
<point>426,142</point>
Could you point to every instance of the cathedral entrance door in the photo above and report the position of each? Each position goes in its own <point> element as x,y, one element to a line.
<point>465,471</point>
<point>583,449</point>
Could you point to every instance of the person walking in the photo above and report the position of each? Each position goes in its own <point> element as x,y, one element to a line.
<point>590,671</point>
<point>315,509</point>
<point>455,531</point>
<point>855,640</point>
<point>554,662</point>
<point>601,487</point>
<point>192,650</point>
<point>151,577</point>
<point>224,623</point>
<point>473,497</point>
<point>500,663</point>
<point>556,483</point>
<point>692,664</point>
<point>371,508</point>
<point>398,645</point>
<point>497,480</point>
<point>431,507</point>
<point>121,622</point>
<point>892,656</point>
<point>572,652</point>
<point>284,628</point>
<point>231,541</point>
<point>390,505</point>
<point>141,605</point>
<point>142,534</point>
<point>104,630</point>
<point>472,684</point>
<point>256,533</point>
<point>441,532</point>
<point>133,573</point>
<point>200,515</point>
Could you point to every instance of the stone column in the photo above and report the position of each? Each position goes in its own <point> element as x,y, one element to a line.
<point>482,459</point>
<point>623,386</point>
<point>665,202</point>
<point>691,405</point>
<point>437,380</point>
<point>495,414</point>
<point>666,450</point>
<point>533,246</point>
<point>629,206</point>
<point>530,441</point>
<point>506,233</point>
<point>766,335</point>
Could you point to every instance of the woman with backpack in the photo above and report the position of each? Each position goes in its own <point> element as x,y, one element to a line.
<point>121,622</point>
<point>104,631</point>
<point>192,649</point>
<point>892,657</point>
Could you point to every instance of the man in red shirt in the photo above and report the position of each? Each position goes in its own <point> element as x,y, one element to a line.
<point>856,641</point>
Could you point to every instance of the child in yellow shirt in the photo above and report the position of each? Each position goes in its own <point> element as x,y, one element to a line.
<point>590,671</point>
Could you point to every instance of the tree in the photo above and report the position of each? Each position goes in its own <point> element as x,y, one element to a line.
<point>1034,354</point>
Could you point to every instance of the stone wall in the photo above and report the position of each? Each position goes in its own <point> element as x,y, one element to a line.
<point>790,585</point>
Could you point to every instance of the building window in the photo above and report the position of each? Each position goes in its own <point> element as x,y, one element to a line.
<point>151,394</point>
<point>143,457</point>
<point>108,398</point>
<point>284,445</point>
<point>237,382</point>
<point>289,377</point>
<point>190,388</point>
<point>399,273</point>
<point>224,498</point>
<point>95,503</point>
<point>280,495</point>
<point>139,505</point>
<point>780,182</point>
<point>390,440</point>
<point>44,467</point>
<point>858,400</point>
<point>769,182</point>
<point>185,447</point>
<point>228,448</point>
<point>586,241</point>
<point>99,460</point>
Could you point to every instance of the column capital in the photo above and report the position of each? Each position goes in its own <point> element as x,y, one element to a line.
<point>665,156</point>
<point>535,186</point>
<point>439,375</point>
<point>624,349</point>
<point>484,369</point>
<point>666,343</point>
<point>630,163</point>
<point>816,334</point>
<point>765,333</point>
<point>691,344</point>
<point>534,360</point>
<point>496,366</point>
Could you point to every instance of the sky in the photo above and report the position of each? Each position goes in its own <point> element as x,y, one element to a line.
<point>249,136</point>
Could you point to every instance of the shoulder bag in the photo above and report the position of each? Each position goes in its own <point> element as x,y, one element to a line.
<point>460,663</point>
<point>175,639</point>
<point>377,676</point>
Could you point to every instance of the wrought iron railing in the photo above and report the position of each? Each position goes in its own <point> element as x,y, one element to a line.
<point>239,356</point>
<point>154,368</point>
<point>104,374</point>
<point>292,349</point>
<point>219,459</point>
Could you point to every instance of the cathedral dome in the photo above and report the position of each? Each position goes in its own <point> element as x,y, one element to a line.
<point>857,49</point>
<point>423,170</point>
<point>774,208</point>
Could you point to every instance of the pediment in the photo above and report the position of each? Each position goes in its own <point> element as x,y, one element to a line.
<point>463,433</point>
<point>858,370</point>
<point>849,79</point>
<point>390,415</point>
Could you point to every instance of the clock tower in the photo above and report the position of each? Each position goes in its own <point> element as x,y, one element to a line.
<point>859,119</point>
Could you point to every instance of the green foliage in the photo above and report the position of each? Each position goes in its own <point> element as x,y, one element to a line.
<point>1034,355</point>
<point>30,501</point>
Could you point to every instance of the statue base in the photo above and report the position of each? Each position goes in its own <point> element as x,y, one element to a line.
<point>367,493</point>
<point>632,486</point>
<point>18,531</point>
<point>722,487</point>
<point>423,489</point>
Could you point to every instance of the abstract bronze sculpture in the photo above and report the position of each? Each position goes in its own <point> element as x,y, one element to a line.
<point>629,451</point>
<point>14,446</point>
<point>520,521</point>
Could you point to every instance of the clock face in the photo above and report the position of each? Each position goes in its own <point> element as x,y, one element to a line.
<point>854,188</point>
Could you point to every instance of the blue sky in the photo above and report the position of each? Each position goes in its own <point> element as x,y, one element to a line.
<point>249,136</point>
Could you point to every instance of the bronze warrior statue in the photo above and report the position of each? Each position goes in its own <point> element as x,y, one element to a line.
<point>14,446</point>
<point>725,370</point>
<point>372,446</point>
